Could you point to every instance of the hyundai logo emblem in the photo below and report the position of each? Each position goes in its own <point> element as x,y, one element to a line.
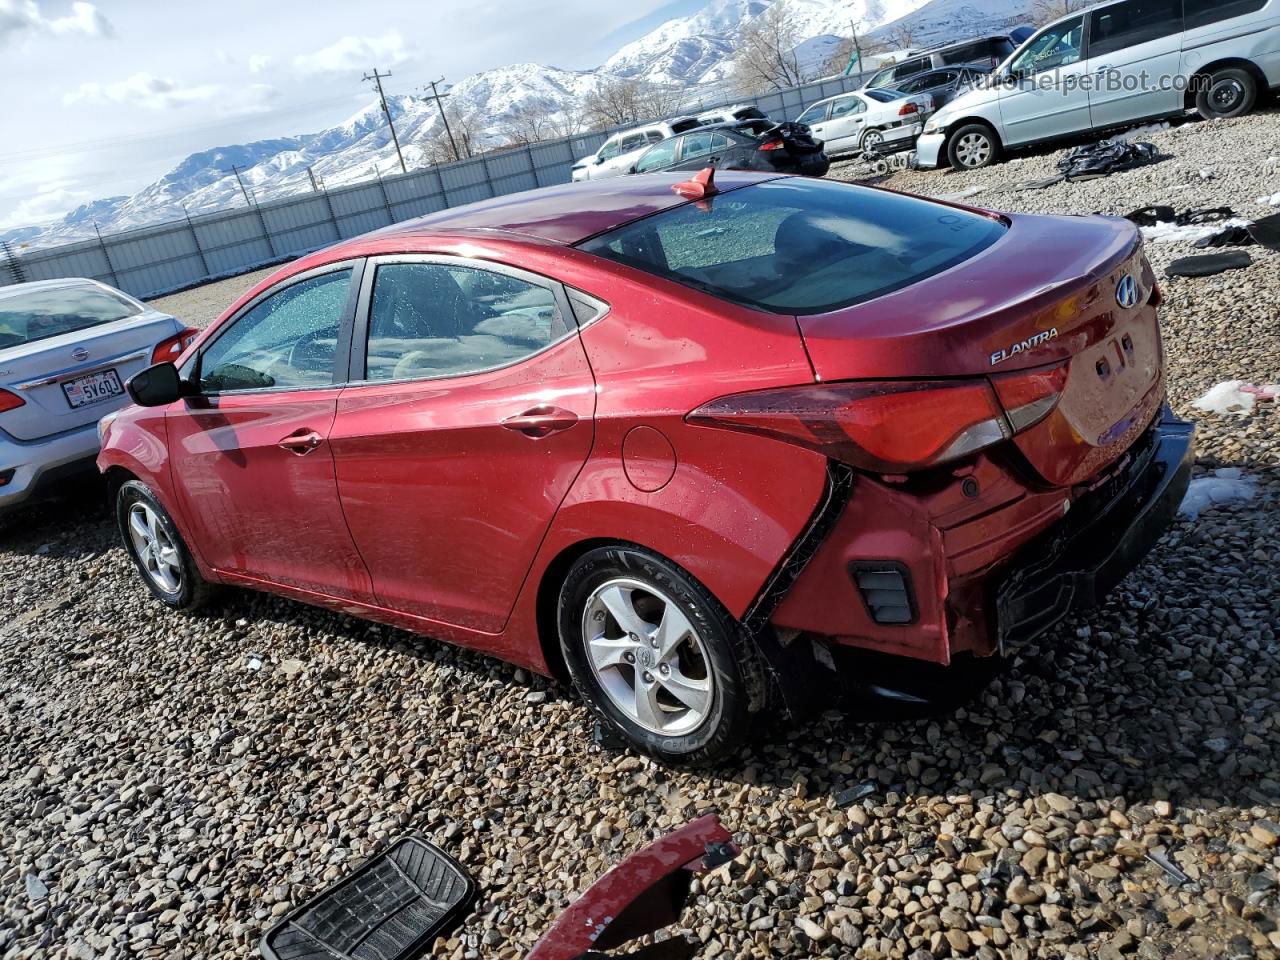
<point>1127,292</point>
<point>80,354</point>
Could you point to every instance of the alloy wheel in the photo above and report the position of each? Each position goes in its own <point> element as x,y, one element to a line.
<point>974,149</point>
<point>157,553</point>
<point>648,657</point>
<point>872,139</point>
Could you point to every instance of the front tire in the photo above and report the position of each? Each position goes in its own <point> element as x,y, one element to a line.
<point>1227,93</point>
<point>157,549</point>
<point>652,652</point>
<point>972,147</point>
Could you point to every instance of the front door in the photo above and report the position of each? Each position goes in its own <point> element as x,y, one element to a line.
<point>843,129</point>
<point>1047,92</point>
<point>474,416</point>
<point>1135,50</point>
<point>250,454</point>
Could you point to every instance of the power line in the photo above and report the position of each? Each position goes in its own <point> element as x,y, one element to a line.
<point>377,79</point>
<point>439,99</point>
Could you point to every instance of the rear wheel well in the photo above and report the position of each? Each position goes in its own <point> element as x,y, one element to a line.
<point>1209,69</point>
<point>548,601</point>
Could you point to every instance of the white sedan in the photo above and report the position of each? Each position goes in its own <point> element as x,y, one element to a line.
<point>882,119</point>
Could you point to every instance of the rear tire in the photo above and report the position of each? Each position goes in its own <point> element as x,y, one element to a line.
<point>972,147</point>
<point>1227,93</point>
<point>654,654</point>
<point>157,549</point>
<point>871,139</point>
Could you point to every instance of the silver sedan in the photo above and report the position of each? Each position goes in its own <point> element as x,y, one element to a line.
<point>67,347</point>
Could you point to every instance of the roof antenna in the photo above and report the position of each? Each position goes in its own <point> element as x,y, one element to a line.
<point>700,186</point>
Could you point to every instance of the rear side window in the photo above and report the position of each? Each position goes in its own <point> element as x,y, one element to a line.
<point>1202,13</point>
<point>800,246</point>
<point>436,320</point>
<point>1131,23</point>
<point>978,52</point>
<point>40,314</point>
<point>912,67</point>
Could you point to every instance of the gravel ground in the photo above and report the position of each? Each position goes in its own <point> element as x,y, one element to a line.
<point>200,306</point>
<point>160,797</point>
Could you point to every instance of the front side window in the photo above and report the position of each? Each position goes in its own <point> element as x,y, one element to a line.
<point>289,339</point>
<point>609,150</point>
<point>53,311</point>
<point>655,158</point>
<point>1202,13</point>
<point>970,53</point>
<point>1131,23</point>
<point>1057,47</point>
<point>439,320</point>
<point>800,246</point>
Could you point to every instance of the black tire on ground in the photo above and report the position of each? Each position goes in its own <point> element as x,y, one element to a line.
<point>973,146</point>
<point>718,654</point>
<point>191,591</point>
<point>1226,93</point>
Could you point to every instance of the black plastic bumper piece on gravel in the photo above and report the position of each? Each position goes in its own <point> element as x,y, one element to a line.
<point>391,908</point>
<point>1076,563</point>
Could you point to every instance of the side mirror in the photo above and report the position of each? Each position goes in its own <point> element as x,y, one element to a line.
<point>633,169</point>
<point>156,386</point>
<point>599,160</point>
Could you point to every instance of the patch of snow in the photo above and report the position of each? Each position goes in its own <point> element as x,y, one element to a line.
<point>1236,396</point>
<point>1138,133</point>
<point>1272,201</point>
<point>1227,485</point>
<point>1173,233</point>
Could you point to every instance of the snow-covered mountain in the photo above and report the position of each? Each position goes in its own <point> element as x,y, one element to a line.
<point>524,100</point>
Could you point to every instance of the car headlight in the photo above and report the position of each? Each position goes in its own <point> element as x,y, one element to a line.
<point>935,124</point>
<point>105,424</point>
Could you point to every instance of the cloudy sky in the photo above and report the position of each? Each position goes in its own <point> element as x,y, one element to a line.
<point>101,98</point>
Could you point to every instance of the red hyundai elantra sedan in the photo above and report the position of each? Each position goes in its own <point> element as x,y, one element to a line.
<point>675,441</point>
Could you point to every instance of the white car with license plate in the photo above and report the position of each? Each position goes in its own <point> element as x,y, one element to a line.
<point>882,119</point>
<point>67,347</point>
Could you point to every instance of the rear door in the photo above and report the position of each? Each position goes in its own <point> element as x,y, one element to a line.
<point>470,415</point>
<point>702,149</point>
<point>251,456</point>
<point>1047,95</point>
<point>66,350</point>
<point>1135,49</point>
<point>843,129</point>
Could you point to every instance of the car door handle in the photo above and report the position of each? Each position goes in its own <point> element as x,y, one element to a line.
<point>301,442</point>
<point>1104,68</point>
<point>541,421</point>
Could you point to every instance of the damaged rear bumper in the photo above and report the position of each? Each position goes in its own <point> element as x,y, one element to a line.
<point>1076,563</point>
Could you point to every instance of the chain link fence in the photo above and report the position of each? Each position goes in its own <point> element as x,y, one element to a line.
<point>153,260</point>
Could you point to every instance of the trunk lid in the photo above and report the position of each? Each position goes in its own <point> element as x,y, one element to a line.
<point>39,372</point>
<point>1047,293</point>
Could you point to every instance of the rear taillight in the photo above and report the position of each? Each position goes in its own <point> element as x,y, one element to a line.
<point>886,427</point>
<point>908,108</point>
<point>1028,396</point>
<point>10,401</point>
<point>167,351</point>
<point>771,145</point>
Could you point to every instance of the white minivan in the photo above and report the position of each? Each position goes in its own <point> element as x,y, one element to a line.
<point>1117,63</point>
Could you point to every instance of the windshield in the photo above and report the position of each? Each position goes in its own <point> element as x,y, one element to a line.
<point>800,246</point>
<point>40,314</point>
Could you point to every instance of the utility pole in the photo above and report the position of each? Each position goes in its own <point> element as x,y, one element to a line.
<point>247,198</point>
<point>315,185</point>
<point>377,79</point>
<point>857,52</point>
<point>439,99</point>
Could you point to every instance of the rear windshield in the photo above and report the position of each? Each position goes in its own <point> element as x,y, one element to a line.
<point>800,246</point>
<point>39,314</point>
<point>883,94</point>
